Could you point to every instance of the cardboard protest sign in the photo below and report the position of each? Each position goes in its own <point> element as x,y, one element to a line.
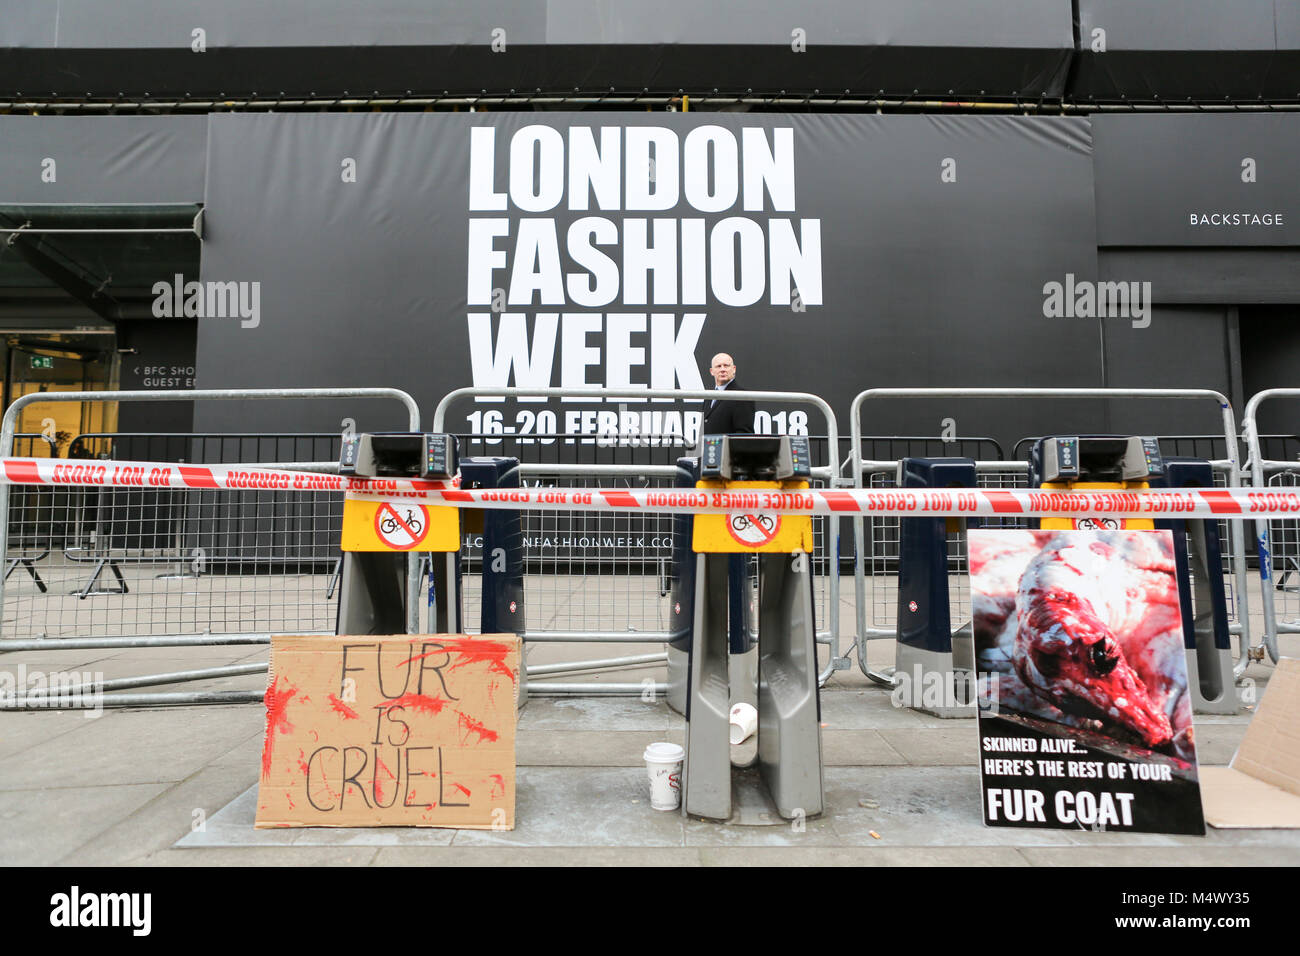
<point>408,730</point>
<point>1261,788</point>
<point>1085,721</point>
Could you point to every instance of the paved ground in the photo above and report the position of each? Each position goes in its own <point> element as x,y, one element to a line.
<point>176,786</point>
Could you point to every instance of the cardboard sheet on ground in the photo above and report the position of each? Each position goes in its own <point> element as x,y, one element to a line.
<point>1260,789</point>
<point>407,730</point>
<point>1085,719</point>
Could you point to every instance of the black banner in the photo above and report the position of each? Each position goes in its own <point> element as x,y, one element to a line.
<point>824,253</point>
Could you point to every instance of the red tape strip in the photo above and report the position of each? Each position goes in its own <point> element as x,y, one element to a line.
<point>912,502</point>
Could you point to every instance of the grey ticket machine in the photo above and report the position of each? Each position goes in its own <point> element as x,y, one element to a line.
<point>381,539</point>
<point>751,472</point>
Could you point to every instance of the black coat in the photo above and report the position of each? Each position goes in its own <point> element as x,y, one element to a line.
<point>728,417</point>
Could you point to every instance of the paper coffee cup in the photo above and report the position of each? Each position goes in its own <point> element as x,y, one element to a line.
<point>663,762</point>
<point>744,721</point>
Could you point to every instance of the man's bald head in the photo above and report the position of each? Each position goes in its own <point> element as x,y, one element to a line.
<point>722,368</point>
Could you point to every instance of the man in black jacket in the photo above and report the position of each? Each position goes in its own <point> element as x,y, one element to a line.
<point>726,418</point>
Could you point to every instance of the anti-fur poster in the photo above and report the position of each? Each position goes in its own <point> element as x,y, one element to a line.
<point>1085,721</point>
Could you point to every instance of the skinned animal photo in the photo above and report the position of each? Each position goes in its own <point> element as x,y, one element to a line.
<point>1083,629</point>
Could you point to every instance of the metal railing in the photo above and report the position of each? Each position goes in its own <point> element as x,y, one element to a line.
<point>642,604</point>
<point>869,472</point>
<point>1277,540</point>
<point>267,561</point>
<point>188,566</point>
<point>624,556</point>
<point>31,529</point>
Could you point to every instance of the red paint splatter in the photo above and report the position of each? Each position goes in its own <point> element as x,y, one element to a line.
<point>419,702</point>
<point>315,736</point>
<point>473,726</point>
<point>492,653</point>
<point>499,785</point>
<point>290,799</point>
<point>277,703</point>
<point>462,788</point>
<point>302,761</point>
<point>341,708</point>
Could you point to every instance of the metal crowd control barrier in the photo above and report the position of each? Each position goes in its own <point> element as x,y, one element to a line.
<point>110,528</point>
<point>32,528</point>
<point>642,599</point>
<point>221,526</point>
<point>1209,447</point>
<point>564,552</point>
<point>1277,542</point>
<point>869,472</point>
<point>629,555</point>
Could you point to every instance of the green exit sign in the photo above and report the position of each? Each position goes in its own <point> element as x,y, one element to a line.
<point>42,361</point>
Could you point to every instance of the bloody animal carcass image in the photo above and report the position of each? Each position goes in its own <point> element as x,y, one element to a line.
<point>1082,628</point>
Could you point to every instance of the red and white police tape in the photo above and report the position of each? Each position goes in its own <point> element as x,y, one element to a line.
<point>913,502</point>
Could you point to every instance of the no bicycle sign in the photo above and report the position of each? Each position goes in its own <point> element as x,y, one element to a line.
<point>403,526</point>
<point>753,530</point>
<point>399,524</point>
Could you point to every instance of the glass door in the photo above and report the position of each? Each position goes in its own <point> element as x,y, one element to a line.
<point>57,363</point>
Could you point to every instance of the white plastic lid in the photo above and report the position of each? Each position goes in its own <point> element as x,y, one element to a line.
<point>665,753</point>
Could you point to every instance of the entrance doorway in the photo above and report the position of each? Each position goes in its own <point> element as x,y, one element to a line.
<point>60,362</point>
<point>1270,358</point>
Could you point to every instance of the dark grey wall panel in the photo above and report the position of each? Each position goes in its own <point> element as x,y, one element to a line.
<point>102,159</point>
<point>921,23</point>
<point>1174,50</point>
<point>1154,172</point>
<point>1183,347</point>
<point>1208,276</point>
<point>144,24</point>
<point>143,48</point>
<point>162,356</point>
<point>924,281</point>
<point>1179,24</point>
<point>28,23</point>
<point>1288,26</point>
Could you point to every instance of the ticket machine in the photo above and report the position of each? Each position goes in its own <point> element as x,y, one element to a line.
<point>748,469</point>
<point>381,538</point>
<point>1096,463</point>
<point>741,632</point>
